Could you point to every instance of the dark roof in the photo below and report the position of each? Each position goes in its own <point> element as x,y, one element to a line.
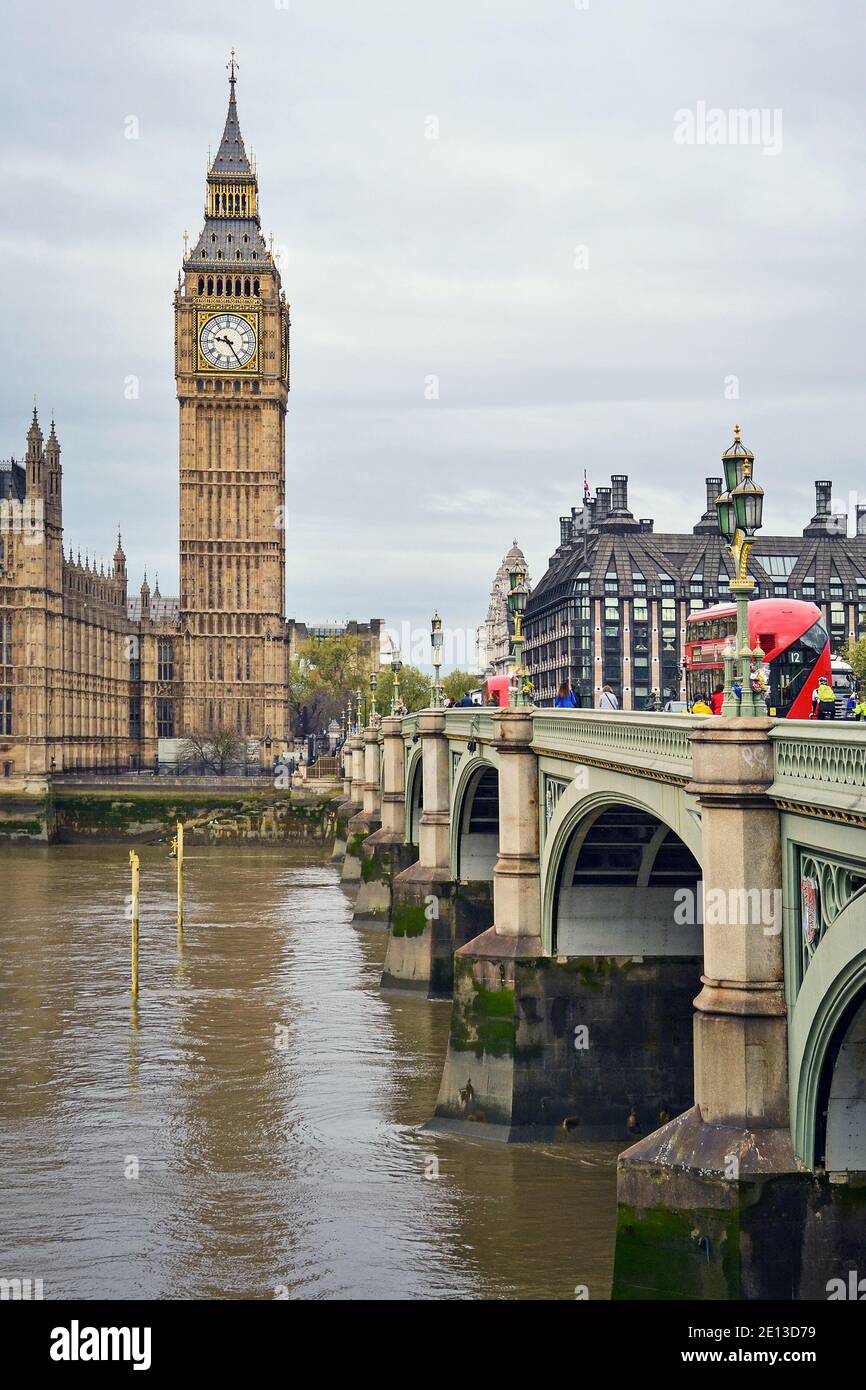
<point>13,481</point>
<point>657,554</point>
<point>231,157</point>
<point>229,233</point>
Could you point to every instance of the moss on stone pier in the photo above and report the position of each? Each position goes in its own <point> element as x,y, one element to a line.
<point>408,919</point>
<point>482,1020</point>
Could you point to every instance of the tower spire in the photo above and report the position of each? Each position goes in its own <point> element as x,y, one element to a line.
<point>231,156</point>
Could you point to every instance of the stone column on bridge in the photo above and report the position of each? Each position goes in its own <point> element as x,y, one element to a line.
<point>516,881</point>
<point>351,863</point>
<point>383,852</point>
<point>485,1081</point>
<point>420,944</point>
<point>709,1203</point>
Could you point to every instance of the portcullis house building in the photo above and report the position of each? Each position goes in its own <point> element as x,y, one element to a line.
<point>612,607</point>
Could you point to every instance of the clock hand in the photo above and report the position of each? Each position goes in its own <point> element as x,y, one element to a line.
<point>224,339</point>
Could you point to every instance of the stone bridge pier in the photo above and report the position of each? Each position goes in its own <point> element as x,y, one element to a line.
<point>385,853</point>
<point>348,807</point>
<point>356,825</point>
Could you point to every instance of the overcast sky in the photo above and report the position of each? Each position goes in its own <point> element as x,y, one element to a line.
<point>458,257</point>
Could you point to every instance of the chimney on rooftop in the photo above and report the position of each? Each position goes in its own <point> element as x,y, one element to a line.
<point>602,503</point>
<point>619,492</point>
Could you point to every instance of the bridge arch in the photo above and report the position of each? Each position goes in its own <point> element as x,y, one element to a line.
<point>414,794</point>
<point>646,867</point>
<point>475,819</point>
<point>827,1048</point>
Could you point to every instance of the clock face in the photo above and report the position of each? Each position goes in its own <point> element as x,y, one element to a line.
<point>228,341</point>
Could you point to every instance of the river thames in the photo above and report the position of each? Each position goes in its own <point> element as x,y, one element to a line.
<point>253,1128</point>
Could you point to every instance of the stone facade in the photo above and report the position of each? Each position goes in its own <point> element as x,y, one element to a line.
<point>496,653</point>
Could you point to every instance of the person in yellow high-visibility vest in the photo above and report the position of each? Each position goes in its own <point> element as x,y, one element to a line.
<point>823,700</point>
<point>859,711</point>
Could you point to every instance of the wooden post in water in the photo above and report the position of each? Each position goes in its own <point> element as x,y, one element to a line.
<point>136,888</point>
<point>179,844</point>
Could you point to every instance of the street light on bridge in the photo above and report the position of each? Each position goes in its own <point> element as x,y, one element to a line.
<point>517,599</point>
<point>396,668</point>
<point>436,644</point>
<point>740,510</point>
<point>374,681</point>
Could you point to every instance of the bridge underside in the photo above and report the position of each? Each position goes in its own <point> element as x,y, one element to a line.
<point>595,1042</point>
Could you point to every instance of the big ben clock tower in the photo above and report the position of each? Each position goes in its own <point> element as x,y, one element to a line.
<point>232,371</point>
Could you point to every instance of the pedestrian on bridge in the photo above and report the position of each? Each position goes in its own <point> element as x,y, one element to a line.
<point>565,698</point>
<point>823,700</point>
<point>607,699</point>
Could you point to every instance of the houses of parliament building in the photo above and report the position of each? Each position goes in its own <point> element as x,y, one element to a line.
<point>92,676</point>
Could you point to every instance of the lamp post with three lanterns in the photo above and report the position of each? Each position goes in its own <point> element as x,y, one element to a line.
<point>740,510</point>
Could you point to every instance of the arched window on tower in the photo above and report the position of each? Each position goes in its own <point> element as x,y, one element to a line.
<point>210,284</point>
<point>255,287</point>
<point>238,287</point>
<point>247,286</point>
<point>219,286</point>
<point>201,284</point>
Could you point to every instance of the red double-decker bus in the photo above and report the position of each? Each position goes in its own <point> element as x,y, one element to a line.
<point>794,641</point>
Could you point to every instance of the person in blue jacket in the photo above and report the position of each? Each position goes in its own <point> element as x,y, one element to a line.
<point>565,699</point>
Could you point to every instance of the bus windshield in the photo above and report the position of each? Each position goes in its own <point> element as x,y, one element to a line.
<point>791,671</point>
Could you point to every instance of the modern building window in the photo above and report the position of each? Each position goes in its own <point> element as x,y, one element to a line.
<point>838,632</point>
<point>165,719</point>
<point>777,566</point>
<point>612,644</point>
<point>669,646</point>
<point>640,652</point>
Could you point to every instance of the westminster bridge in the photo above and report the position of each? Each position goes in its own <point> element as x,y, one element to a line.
<point>572,879</point>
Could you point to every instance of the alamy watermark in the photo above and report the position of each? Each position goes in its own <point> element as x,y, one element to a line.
<point>731,907</point>
<point>737,125</point>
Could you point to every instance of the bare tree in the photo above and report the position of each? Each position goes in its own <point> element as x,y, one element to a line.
<point>213,752</point>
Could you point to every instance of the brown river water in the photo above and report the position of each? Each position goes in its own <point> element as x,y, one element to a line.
<point>267,1095</point>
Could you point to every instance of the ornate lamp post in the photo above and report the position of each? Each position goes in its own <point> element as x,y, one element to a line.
<point>396,668</point>
<point>517,597</point>
<point>374,681</point>
<point>436,644</point>
<point>739,510</point>
<point>358,699</point>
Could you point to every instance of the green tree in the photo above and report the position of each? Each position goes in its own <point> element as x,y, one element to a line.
<point>459,683</point>
<point>855,654</point>
<point>415,691</point>
<point>324,677</point>
<point>336,663</point>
